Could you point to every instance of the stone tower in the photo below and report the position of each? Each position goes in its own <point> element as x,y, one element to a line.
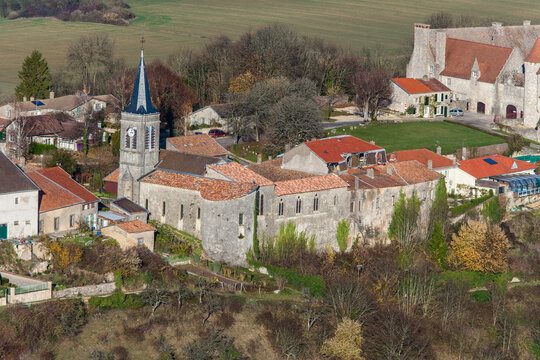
<point>139,137</point>
<point>532,83</point>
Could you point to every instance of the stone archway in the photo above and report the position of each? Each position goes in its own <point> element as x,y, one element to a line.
<point>480,107</point>
<point>511,112</point>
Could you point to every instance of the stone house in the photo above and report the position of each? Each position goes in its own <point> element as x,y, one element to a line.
<point>491,70</point>
<point>215,114</point>
<point>19,197</point>
<point>429,97</point>
<point>131,233</point>
<point>64,204</point>
<point>334,154</point>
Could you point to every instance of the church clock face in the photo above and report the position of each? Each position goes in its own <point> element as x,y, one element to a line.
<point>131,132</point>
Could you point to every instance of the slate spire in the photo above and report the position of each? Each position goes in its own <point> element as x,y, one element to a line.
<point>140,102</point>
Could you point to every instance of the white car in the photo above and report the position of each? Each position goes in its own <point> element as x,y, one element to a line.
<point>456,112</point>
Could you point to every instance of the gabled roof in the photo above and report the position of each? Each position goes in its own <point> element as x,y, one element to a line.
<point>223,110</point>
<point>52,195</point>
<point>312,184</point>
<point>12,178</point>
<point>272,171</point>
<point>423,156</point>
<point>141,102</point>
<point>534,55</point>
<point>210,189</point>
<point>62,178</point>
<point>420,86</point>
<point>71,130</point>
<point>332,149</point>
<point>184,162</point>
<point>113,177</point>
<point>129,206</point>
<point>493,165</point>
<point>41,125</point>
<point>197,144</point>
<point>135,226</point>
<point>461,55</point>
<point>240,174</point>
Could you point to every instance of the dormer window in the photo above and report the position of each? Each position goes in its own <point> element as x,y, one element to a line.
<point>475,74</point>
<point>431,68</point>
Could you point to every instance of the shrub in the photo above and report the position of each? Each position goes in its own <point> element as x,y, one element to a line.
<point>460,209</point>
<point>37,148</point>
<point>481,296</point>
<point>286,248</point>
<point>346,343</point>
<point>437,246</point>
<point>493,211</point>
<point>342,234</point>
<point>411,110</point>
<point>117,300</point>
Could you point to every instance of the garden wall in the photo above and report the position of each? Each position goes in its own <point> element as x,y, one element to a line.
<point>88,290</point>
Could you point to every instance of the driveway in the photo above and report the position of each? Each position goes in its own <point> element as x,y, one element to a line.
<point>479,121</point>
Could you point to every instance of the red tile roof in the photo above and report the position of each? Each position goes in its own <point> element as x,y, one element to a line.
<point>420,86</point>
<point>534,55</point>
<point>422,156</point>
<point>62,178</point>
<point>461,54</point>
<point>315,183</point>
<point>272,170</point>
<point>53,196</point>
<point>210,189</point>
<point>135,226</point>
<point>331,149</point>
<point>113,177</point>
<point>197,144</point>
<point>240,174</point>
<point>479,168</point>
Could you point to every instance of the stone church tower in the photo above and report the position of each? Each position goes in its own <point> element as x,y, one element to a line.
<point>139,137</point>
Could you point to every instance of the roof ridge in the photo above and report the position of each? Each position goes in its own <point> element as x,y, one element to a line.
<point>57,184</point>
<point>479,43</point>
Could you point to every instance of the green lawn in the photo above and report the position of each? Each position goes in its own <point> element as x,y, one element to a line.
<point>172,24</point>
<point>423,134</point>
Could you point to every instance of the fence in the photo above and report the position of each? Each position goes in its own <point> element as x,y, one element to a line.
<point>31,288</point>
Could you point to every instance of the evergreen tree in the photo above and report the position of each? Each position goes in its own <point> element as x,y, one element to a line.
<point>35,77</point>
<point>438,248</point>
<point>439,208</point>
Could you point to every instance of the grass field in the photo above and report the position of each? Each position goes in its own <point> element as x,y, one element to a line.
<point>169,25</point>
<point>423,134</point>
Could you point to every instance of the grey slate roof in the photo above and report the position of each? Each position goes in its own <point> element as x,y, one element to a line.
<point>129,206</point>
<point>12,178</point>
<point>141,102</point>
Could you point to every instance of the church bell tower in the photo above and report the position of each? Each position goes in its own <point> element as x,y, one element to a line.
<point>139,137</point>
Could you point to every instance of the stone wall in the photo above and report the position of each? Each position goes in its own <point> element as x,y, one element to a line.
<point>27,251</point>
<point>301,158</point>
<point>483,151</point>
<point>89,290</point>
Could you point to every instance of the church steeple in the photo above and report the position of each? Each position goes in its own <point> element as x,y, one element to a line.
<point>140,102</point>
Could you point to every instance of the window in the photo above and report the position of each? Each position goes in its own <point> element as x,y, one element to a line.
<point>71,220</point>
<point>128,141</point>
<point>16,223</point>
<point>393,200</point>
<point>335,200</point>
<point>146,204</point>
<point>280,207</point>
<point>134,139</point>
<point>16,200</point>
<point>261,204</point>
<point>98,107</point>
<point>27,222</point>
<point>164,208</point>
<point>41,224</point>
<point>352,206</point>
<point>475,74</point>
<point>316,203</point>
<point>198,213</point>
<point>9,114</point>
<point>436,97</point>
<point>431,68</point>
<point>298,205</point>
<point>150,137</point>
<point>241,219</point>
<point>56,223</point>
<point>181,211</point>
<point>140,241</point>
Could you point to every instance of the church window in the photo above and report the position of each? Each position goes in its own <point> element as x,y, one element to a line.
<point>281,207</point>
<point>150,137</point>
<point>146,204</point>
<point>241,219</point>
<point>316,203</point>
<point>181,211</point>
<point>298,205</point>
<point>198,213</point>
<point>128,141</point>
<point>261,204</point>
<point>164,208</point>
<point>134,139</point>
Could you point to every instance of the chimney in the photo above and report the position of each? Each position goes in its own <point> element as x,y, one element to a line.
<point>270,157</point>
<point>464,153</point>
<point>430,164</point>
<point>287,147</point>
<point>372,141</point>
<point>51,94</point>
<point>371,173</point>
<point>24,98</point>
<point>526,22</point>
<point>259,158</point>
<point>439,150</point>
<point>440,52</point>
<point>32,98</point>
<point>356,183</point>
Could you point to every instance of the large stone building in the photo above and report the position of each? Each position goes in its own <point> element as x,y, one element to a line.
<point>492,70</point>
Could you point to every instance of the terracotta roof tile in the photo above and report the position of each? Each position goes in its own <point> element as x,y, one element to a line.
<point>52,195</point>
<point>272,170</point>
<point>113,177</point>
<point>184,162</point>
<point>408,172</point>
<point>135,226</point>
<point>197,144</point>
<point>420,86</point>
<point>422,156</point>
<point>480,168</point>
<point>315,183</point>
<point>461,54</point>
<point>331,149</point>
<point>210,189</point>
<point>534,55</point>
<point>240,174</point>
<point>62,178</point>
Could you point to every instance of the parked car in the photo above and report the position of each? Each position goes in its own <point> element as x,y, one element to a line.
<point>216,133</point>
<point>456,112</point>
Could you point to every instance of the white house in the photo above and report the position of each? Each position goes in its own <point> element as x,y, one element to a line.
<point>19,201</point>
<point>216,114</point>
<point>429,97</point>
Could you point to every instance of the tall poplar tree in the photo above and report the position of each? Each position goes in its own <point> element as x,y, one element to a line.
<point>35,77</point>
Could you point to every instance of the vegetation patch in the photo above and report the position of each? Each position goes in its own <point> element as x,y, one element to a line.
<point>118,300</point>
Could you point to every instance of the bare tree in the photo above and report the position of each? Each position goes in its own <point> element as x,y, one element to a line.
<point>348,299</point>
<point>18,132</point>
<point>155,297</point>
<point>313,310</point>
<point>183,294</point>
<point>371,88</point>
<point>211,306</point>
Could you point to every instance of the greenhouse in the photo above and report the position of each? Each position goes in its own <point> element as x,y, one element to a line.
<point>522,184</point>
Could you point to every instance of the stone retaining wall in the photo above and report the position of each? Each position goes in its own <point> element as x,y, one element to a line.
<point>89,290</point>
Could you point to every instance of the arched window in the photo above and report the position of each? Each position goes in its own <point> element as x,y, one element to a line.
<point>298,205</point>
<point>134,139</point>
<point>150,138</point>
<point>281,207</point>
<point>316,203</point>
<point>128,141</point>
<point>261,204</point>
